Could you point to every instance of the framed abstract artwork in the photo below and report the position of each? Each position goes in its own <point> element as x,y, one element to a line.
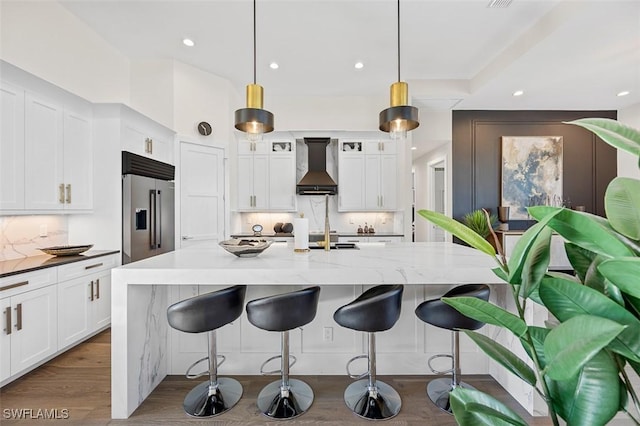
<point>531,173</point>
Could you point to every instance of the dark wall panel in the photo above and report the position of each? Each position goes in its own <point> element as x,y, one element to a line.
<point>589,164</point>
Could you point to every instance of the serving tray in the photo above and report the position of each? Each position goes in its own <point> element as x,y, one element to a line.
<point>66,250</point>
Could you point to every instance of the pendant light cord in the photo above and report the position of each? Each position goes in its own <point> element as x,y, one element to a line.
<point>254,41</point>
<point>398,40</point>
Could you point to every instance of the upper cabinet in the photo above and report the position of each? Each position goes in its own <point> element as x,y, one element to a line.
<point>145,137</point>
<point>367,176</point>
<point>267,175</point>
<point>47,147</point>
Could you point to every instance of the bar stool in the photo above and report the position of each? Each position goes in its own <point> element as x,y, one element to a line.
<point>438,313</point>
<point>207,313</point>
<point>377,309</point>
<point>286,398</point>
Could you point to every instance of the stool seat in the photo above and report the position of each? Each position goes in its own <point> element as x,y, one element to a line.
<point>439,314</point>
<point>207,313</point>
<point>377,309</point>
<point>286,398</point>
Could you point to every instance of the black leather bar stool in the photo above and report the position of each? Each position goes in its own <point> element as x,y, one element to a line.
<point>438,313</point>
<point>207,313</point>
<point>286,398</point>
<point>377,309</point>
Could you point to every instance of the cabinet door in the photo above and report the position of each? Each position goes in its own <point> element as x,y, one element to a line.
<point>78,162</point>
<point>102,301</point>
<point>352,182</point>
<point>372,182</point>
<point>134,139</point>
<point>245,182</point>
<point>11,147</point>
<point>261,182</point>
<point>35,335</point>
<point>388,182</point>
<point>43,154</point>
<point>74,305</point>
<point>282,182</point>
<point>5,338</point>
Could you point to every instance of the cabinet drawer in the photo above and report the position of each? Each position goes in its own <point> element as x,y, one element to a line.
<point>28,281</point>
<point>85,267</point>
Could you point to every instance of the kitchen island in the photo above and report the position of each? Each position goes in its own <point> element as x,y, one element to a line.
<point>143,352</point>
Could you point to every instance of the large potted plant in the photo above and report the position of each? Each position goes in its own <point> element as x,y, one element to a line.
<point>581,364</point>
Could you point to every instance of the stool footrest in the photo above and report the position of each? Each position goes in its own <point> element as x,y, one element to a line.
<point>267,373</point>
<point>357,376</point>
<point>433,370</point>
<point>189,375</point>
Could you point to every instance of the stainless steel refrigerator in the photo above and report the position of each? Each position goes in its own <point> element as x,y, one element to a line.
<point>148,207</point>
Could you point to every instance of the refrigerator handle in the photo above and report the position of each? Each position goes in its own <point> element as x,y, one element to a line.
<point>152,218</point>
<point>158,222</point>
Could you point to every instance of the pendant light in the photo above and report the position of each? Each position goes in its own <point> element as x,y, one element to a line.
<point>400,117</point>
<point>254,120</point>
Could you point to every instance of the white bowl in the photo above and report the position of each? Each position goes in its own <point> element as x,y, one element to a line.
<point>245,247</point>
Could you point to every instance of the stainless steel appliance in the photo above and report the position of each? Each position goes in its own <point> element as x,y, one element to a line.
<point>148,217</point>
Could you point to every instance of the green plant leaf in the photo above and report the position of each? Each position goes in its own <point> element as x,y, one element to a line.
<point>593,278</point>
<point>501,274</point>
<point>633,305</point>
<point>579,258</point>
<point>538,336</point>
<point>503,356</point>
<point>570,345</point>
<point>591,397</point>
<point>487,312</point>
<point>612,132</point>
<point>635,366</point>
<point>566,299</point>
<point>624,273</point>
<point>459,230</point>
<point>622,204</point>
<point>520,251</point>
<point>580,229</point>
<point>472,407</point>
<point>536,263</point>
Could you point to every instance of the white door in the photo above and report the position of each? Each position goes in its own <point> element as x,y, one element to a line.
<point>282,182</point>
<point>74,314</point>
<point>352,183</point>
<point>102,301</point>
<point>6,331</point>
<point>78,162</point>
<point>11,147</point>
<point>201,194</point>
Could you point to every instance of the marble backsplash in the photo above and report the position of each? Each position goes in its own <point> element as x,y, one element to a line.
<point>21,236</point>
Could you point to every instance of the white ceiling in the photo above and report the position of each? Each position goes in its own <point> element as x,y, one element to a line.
<point>459,54</point>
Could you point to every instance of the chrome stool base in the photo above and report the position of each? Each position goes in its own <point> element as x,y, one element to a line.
<point>276,403</point>
<point>438,392</point>
<point>380,405</point>
<point>199,403</point>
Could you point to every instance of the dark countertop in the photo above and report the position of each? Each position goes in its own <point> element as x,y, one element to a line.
<point>33,263</point>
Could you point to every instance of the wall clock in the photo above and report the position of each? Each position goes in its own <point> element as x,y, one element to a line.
<point>204,128</point>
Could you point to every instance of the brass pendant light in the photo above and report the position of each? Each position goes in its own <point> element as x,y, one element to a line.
<point>254,120</point>
<point>400,117</point>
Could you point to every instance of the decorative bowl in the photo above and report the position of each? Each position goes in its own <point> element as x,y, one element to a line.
<point>66,250</point>
<point>245,247</point>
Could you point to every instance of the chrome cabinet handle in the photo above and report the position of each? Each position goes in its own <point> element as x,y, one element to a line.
<point>98,288</point>
<point>7,313</point>
<point>68,193</point>
<point>19,318</point>
<point>61,193</point>
<point>91,290</point>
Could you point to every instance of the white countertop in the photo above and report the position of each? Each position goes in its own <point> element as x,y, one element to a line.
<point>373,263</point>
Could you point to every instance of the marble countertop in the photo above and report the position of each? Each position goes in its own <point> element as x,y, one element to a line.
<point>340,234</point>
<point>33,263</point>
<point>373,263</point>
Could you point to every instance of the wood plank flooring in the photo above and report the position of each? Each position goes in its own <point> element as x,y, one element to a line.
<point>79,381</point>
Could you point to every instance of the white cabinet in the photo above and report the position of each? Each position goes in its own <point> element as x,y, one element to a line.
<point>370,239</point>
<point>368,176</point>
<point>11,147</point>
<point>5,339</point>
<point>266,176</point>
<point>145,137</point>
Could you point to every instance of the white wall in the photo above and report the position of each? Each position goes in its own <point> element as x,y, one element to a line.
<point>627,163</point>
<point>152,94</point>
<point>45,39</point>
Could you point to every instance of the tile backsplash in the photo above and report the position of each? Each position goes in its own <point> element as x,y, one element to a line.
<point>21,236</point>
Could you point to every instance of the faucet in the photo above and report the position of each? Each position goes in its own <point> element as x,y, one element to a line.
<point>327,237</point>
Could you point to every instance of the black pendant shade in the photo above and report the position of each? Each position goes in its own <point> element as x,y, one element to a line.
<point>254,120</point>
<point>399,118</point>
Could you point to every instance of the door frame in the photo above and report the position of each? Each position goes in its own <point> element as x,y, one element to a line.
<point>431,202</point>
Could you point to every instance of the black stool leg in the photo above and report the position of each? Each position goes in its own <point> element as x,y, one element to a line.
<point>286,398</point>
<point>371,398</point>
<point>215,396</point>
<point>438,390</point>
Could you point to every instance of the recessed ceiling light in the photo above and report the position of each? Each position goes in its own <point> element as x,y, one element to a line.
<point>623,93</point>
<point>518,93</point>
<point>188,42</point>
<point>413,148</point>
<point>274,65</point>
<point>359,65</point>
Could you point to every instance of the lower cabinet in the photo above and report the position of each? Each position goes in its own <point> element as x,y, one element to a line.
<point>29,329</point>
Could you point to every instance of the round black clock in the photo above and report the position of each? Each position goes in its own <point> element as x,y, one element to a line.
<point>204,128</point>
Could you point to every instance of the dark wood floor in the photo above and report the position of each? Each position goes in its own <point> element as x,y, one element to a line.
<point>79,381</point>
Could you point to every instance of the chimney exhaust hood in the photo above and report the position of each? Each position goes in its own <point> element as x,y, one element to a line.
<point>317,181</point>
